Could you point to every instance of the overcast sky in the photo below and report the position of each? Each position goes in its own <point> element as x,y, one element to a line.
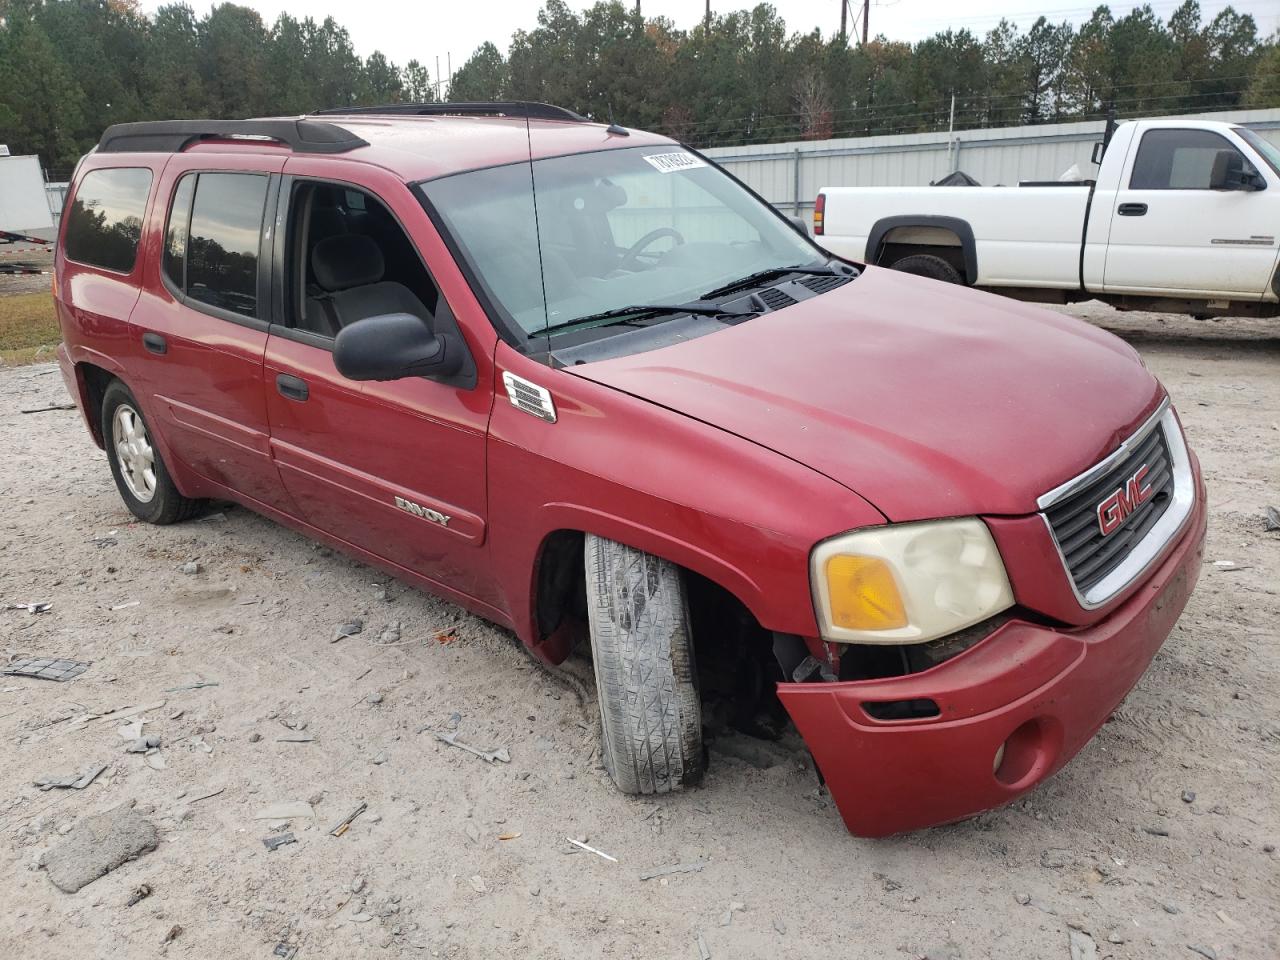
<point>428,29</point>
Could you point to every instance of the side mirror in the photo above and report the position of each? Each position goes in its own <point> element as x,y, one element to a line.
<point>801,224</point>
<point>392,346</point>
<point>1099,149</point>
<point>1228,173</point>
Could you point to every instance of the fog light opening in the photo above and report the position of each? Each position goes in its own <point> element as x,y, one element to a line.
<point>1023,756</point>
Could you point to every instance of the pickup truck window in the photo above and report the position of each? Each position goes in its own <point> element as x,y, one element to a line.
<point>611,228</point>
<point>1177,160</point>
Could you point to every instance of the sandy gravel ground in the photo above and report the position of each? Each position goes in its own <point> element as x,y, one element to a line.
<point>424,872</point>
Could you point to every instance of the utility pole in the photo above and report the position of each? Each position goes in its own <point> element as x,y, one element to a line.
<point>707,21</point>
<point>437,76</point>
<point>844,19</point>
<point>866,13</point>
<point>449,66</point>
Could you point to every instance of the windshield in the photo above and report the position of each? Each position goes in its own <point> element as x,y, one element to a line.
<point>640,225</point>
<point>1269,151</point>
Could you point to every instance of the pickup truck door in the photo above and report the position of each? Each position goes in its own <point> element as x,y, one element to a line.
<point>1172,233</point>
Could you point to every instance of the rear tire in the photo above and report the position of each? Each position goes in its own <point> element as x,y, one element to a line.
<point>646,681</point>
<point>927,265</point>
<point>139,471</point>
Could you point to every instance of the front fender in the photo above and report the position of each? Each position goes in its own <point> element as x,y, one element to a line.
<point>623,468</point>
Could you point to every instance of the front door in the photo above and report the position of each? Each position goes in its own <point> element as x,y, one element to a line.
<point>1171,233</point>
<point>202,323</point>
<point>396,468</point>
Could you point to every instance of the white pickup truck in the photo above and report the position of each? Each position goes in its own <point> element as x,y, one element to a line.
<point>1183,218</point>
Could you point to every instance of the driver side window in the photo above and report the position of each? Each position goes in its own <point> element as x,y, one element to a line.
<point>350,259</point>
<point>1178,160</point>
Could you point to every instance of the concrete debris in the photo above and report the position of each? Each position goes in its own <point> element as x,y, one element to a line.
<point>74,781</point>
<point>1271,519</point>
<point>704,952</point>
<point>779,926</point>
<point>276,841</point>
<point>1207,952</point>
<point>1082,946</point>
<point>1156,831</point>
<point>694,866</point>
<point>139,894</point>
<point>348,629</point>
<point>142,745</point>
<point>286,810</point>
<point>97,845</point>
<point>284,951</point>
<point>501,755</point>
<point>1188,796</point>
<point>341,827</point>
<point>46,668</point>
<point>174,933</point>
<point>1022,898</point>
<point>191,568</point>
<point>198,685</point>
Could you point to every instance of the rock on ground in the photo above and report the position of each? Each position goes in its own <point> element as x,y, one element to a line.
<point>96,846</point>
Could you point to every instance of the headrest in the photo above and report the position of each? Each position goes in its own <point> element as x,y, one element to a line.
<point>345,261</point>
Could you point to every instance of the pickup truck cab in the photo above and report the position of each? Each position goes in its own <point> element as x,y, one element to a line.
<point>1183,217</point>
<point>584,383</point>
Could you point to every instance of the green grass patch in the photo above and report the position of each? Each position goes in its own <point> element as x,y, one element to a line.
<point>28,328</point>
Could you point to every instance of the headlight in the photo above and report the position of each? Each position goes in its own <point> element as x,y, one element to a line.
<point>908,583</point>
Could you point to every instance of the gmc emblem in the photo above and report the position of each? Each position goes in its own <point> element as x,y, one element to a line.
<point>1114,510</point>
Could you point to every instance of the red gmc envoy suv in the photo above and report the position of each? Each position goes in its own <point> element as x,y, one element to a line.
<point>585,383</point>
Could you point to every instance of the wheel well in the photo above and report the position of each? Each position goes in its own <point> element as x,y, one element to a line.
<point>96,380</point>
<point>734,654</point>
<point>949,238</point>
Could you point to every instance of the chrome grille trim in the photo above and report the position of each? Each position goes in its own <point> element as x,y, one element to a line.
<point>1162,534</point>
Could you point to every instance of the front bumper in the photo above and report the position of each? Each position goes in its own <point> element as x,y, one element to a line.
<point>1040,691</point>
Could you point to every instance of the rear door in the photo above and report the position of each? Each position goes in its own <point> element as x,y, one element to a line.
<point>201,320</point>
<point>1172,233</point>
<point>397,468</point>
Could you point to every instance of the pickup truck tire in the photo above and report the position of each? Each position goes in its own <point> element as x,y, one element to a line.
<point>646,682</point>
<point>927,265</point>
<point>136,465</point>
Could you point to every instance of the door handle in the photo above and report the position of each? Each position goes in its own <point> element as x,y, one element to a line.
<point>1132,209</point>
<point>294,388</point>
<point>155,343</point>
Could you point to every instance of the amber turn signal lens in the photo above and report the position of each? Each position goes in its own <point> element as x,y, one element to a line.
<point>864,594</point>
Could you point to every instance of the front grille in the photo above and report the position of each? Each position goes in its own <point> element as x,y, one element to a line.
<point>1089,553</point>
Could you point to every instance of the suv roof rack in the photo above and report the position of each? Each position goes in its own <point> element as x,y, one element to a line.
<point>174,136</point>
<point>498,108</point>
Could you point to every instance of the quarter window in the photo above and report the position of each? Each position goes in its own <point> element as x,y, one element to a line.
<point>212,239</point>
<point>1176,160</point>
<point>104,222</point>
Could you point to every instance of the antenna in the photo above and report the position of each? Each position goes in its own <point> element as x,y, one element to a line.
<point>537,233</point>
<point>613,125</point>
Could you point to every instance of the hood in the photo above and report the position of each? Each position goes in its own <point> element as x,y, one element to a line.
<point>925,399</point>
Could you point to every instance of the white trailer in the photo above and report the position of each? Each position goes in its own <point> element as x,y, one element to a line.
<point>24,205</point>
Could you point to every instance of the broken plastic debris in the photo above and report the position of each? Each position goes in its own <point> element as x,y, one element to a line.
<point>37,607</point>
<point>501,755</point>
<point>286,810</point>
<point>589,849</point>
<point>278,840</point>
<point>74,781</point>
<point>344,824</point>
<point>46,668</point>
<point>126,605</point>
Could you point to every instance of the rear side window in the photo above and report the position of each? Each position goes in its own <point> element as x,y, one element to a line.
<point>212,239</point>
<point>104,222</point>
<point>1176,160</point>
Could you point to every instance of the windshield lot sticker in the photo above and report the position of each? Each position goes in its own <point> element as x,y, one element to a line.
<point>672,162</point>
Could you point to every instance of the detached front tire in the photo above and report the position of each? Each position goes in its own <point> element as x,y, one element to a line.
<point>646,679</point>
<point>140,474</point>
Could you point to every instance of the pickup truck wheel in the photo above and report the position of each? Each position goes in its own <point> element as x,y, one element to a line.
<point>139,471</point>
<point>646,681</point>
<point>927,265</point>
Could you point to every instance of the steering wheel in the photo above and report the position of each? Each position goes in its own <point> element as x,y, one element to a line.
<point>631,259</point>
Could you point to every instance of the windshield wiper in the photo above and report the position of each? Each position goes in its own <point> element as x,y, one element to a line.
<point>622,314</point>
<point>761,275</point>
